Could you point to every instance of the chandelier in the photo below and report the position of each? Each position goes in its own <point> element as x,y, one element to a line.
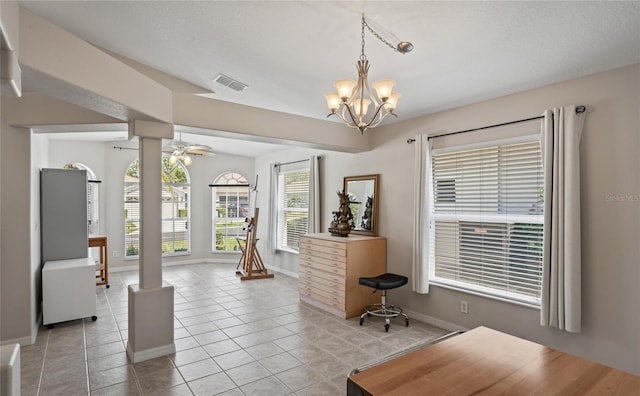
<point>352,106</point>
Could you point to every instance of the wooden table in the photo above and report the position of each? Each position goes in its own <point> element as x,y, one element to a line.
<point>485,361</point>
<point>102,271</point>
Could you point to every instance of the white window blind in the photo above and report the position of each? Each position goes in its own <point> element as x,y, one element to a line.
<point>230,208</point>
<point>293,206</point>
<point>487,220</point>
<point>93,209</point>
<point>175,203</point>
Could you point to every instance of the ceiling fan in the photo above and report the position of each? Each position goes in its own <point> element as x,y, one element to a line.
<point>180,151</point>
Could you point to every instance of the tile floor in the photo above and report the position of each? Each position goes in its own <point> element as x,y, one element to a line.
<point>232,337</point>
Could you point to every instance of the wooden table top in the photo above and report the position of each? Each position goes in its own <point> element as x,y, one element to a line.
<point>488,362</point>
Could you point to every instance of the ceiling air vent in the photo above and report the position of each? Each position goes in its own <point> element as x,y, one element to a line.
<point>230,82</point>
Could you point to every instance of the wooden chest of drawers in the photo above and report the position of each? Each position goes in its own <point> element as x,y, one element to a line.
<point>330,267</point>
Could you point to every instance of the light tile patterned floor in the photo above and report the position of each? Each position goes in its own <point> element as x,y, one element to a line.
<point>232,338</point>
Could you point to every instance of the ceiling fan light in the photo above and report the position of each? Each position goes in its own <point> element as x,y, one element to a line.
<point>187,160</point>
<point>173,160</point>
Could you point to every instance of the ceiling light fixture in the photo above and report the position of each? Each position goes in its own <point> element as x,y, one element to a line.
<point>352,105</point>
<point>180,155</point>
<point>181,151</point>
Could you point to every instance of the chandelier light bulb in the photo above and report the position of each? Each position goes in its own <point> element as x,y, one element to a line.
<point>392,102</point>
<point>383,88</point>
<point>333,101</point>
<point>364,107</point>
<point>345,87</point>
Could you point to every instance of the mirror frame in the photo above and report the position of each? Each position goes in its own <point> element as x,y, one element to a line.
<point>376,200</point>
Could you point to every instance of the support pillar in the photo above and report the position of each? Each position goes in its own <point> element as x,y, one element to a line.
<point>150,301</point>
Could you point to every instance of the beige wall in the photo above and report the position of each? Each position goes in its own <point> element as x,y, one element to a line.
<point>610,149</point>
<point>16,277</point>
<point>611,274</point>
<point>610,158</point>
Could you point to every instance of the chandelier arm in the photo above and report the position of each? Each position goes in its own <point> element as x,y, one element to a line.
<point>374,121</point>
<point>353,117</point>
<point>338,113</point>
<point>347,123</point>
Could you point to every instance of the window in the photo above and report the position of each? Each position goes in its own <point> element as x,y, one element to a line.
<point>230,208</point>
<point>293,205</point>
<point>487,220</point>
<point>175,209</point>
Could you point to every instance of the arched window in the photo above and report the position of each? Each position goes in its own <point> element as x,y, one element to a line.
<point>230,207</point>
<point>93,199</point>
<point>175,209</point>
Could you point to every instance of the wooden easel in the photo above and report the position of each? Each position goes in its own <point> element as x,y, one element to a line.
<point>252,266</point>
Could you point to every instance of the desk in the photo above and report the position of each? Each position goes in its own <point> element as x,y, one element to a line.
<point>485,361</point>
<point>103,264</point>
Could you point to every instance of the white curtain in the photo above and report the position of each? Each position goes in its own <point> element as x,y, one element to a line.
<point>314,195</point>
<point>561,280</point>
<point>421,205</point>
<point>273,207</point>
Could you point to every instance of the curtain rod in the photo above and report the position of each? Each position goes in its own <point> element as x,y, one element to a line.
<point>579,109</point>
<point>289,163</point>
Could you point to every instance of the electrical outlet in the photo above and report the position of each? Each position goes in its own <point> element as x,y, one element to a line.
<point>115,253</point>
<point>464,307</point>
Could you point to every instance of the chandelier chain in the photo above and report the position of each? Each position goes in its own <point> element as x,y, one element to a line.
<point>364,23</point>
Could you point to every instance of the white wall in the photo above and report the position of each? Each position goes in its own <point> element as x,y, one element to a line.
<point>39,160</point>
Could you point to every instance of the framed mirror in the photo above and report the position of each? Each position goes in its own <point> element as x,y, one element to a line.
<point>363,196</point>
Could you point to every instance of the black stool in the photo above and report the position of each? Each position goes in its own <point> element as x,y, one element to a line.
<point>384,282</point>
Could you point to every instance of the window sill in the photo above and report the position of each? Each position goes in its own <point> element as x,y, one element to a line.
<point>523,303</point>
<point>285,250</point>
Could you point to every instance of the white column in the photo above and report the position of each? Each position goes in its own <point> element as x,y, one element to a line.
<point>150,263</point>
<point>150,301</point>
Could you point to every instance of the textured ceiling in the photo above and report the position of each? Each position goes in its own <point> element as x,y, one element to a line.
<point>290,52</point>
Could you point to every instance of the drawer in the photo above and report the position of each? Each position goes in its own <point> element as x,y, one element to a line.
<point>328,261</point>
<point>331,254</point>
<point>324,285</point>
<point>328,267</point>
<point>321,244</point>
<point>307,272</point>
<point>325,298</point>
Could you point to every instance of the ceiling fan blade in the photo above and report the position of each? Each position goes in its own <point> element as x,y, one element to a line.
<point>200,150</point>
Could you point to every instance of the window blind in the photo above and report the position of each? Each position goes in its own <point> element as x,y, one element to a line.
<point>293,207</point>
<point>487,220</point>
<point>230,208</point>
<point>175,214</point>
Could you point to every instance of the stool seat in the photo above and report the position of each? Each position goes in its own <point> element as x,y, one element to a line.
<point>384,281</point>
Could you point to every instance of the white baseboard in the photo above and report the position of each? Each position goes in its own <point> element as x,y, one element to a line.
<point>134,267</point>
<point>282,271</point>
<point>23,341</point>
<point>148,354</point>
<point>434,321</point>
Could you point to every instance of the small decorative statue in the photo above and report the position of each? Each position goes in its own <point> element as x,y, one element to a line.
<point>366,217</point>
<point>340,226</point>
